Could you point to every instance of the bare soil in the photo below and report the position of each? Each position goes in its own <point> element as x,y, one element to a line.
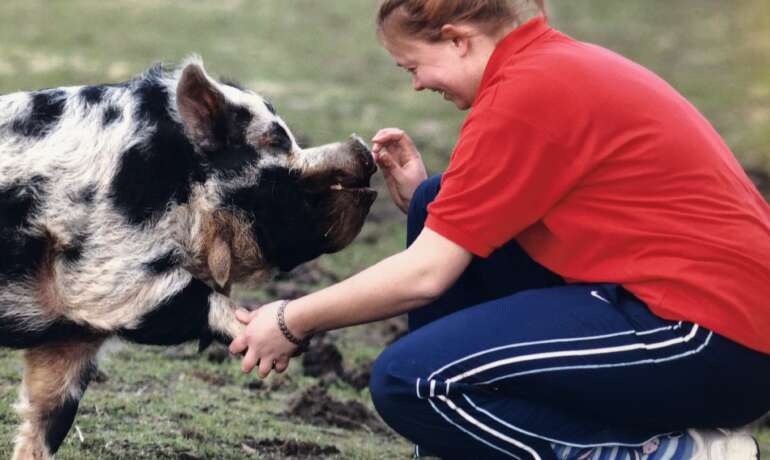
<point>315,406</point>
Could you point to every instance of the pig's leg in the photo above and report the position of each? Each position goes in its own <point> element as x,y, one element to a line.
<point>194,312</point>
<point>223,324</point>
<point>55,378</point>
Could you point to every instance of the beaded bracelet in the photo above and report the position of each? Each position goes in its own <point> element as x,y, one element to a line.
<point>301,343</point>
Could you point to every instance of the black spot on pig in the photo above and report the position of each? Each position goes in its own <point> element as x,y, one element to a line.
<point>92,95</point>
<point>22,252</point>
<point>283,215</point>
<point>46,109</point>
<point>14,334</point>
<point>74,251</point>
<point>159,171</point>
<point>270,107</point>
<point>62,416</point>
<point>181,318</point>
<point>111,115</point>
<point>163,264</point>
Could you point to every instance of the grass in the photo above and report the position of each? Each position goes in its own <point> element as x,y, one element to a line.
<point>322,66</point>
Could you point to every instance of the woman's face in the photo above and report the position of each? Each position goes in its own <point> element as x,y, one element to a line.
<point>443,67</point>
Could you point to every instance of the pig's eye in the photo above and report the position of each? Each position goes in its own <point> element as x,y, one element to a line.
<point>270,107</point>
<point>279,138</point>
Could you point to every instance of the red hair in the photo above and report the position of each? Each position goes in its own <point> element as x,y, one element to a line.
<point>424,18</point>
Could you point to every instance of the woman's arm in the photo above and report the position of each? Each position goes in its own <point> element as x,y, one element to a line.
<point>400,283</point>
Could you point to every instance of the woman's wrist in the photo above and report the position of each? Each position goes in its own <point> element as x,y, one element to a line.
<point>289,327</point>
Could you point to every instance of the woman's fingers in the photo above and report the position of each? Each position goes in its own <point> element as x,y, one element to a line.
<point>400,162</point>
<point>390,166</point>
<point>265,366</point>
<point>250,360</point>
<point>238,345</point>
<point>387,136</point>
<point>281,364</point>
<point>397,143</point>
<point>245,316</point>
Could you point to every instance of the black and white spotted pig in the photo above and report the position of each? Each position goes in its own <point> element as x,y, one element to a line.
<point>127,210</point>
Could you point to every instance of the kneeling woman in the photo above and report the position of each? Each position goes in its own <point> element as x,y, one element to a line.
<point>589,278</point>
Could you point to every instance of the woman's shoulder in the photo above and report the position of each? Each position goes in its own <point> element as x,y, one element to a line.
<point>523,91</point>
<point>570,78</point>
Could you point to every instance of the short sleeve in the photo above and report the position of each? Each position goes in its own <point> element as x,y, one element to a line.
<point>505,174</point>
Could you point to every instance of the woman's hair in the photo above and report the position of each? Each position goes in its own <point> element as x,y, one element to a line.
<point>424,18</point>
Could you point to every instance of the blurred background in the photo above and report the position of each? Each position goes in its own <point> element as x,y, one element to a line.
<point>321,65</point>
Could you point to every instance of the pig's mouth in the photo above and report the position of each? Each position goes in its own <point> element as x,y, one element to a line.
<point>352,185</point>
<point>339,187</point>
<point>352,175</point>
<point>337,183</point>
<point>347,203</point>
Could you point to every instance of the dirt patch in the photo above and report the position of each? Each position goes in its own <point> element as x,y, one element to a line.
<point>254,385</point>
<point>358,378</point>
<point>300,281</point>
<point>189,456</point>
<point>316,407</point>
<point>192,434</point>
<point>322,358</point>
<point>287,449</point>
<point>276,382</point>
<point>217,353</point>
<point>212,379</point>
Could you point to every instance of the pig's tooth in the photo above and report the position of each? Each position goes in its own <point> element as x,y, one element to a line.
<point>336,187</point>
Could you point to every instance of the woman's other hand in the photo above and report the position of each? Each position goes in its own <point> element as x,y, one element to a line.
<point>401,164</point>
<point>262,341</point>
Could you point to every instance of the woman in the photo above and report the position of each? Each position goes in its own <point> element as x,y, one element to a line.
<point>588,279</point>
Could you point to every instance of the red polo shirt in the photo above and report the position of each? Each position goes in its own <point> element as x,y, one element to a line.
<point>604,173</point>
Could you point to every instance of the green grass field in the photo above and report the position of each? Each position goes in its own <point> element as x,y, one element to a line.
<point>320,63</point>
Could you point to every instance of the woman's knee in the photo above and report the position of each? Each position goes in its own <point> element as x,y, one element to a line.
<point>392,383</point>
<point>381,382</point>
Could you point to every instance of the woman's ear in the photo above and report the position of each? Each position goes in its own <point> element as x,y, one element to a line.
<point>459,35</point>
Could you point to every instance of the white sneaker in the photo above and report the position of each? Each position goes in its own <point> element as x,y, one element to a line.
<point>723,445</point>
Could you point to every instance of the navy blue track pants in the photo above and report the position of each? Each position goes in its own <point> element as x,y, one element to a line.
<point>511,360</point>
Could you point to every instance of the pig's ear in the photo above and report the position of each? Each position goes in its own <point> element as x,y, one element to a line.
<point>202,107</point>
<point>219,261</point>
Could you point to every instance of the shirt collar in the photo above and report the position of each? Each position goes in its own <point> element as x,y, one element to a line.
<point>514,43</point>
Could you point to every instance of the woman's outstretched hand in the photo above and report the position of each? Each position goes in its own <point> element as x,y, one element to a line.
<point>401,164</point>
<point>262,341</point>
